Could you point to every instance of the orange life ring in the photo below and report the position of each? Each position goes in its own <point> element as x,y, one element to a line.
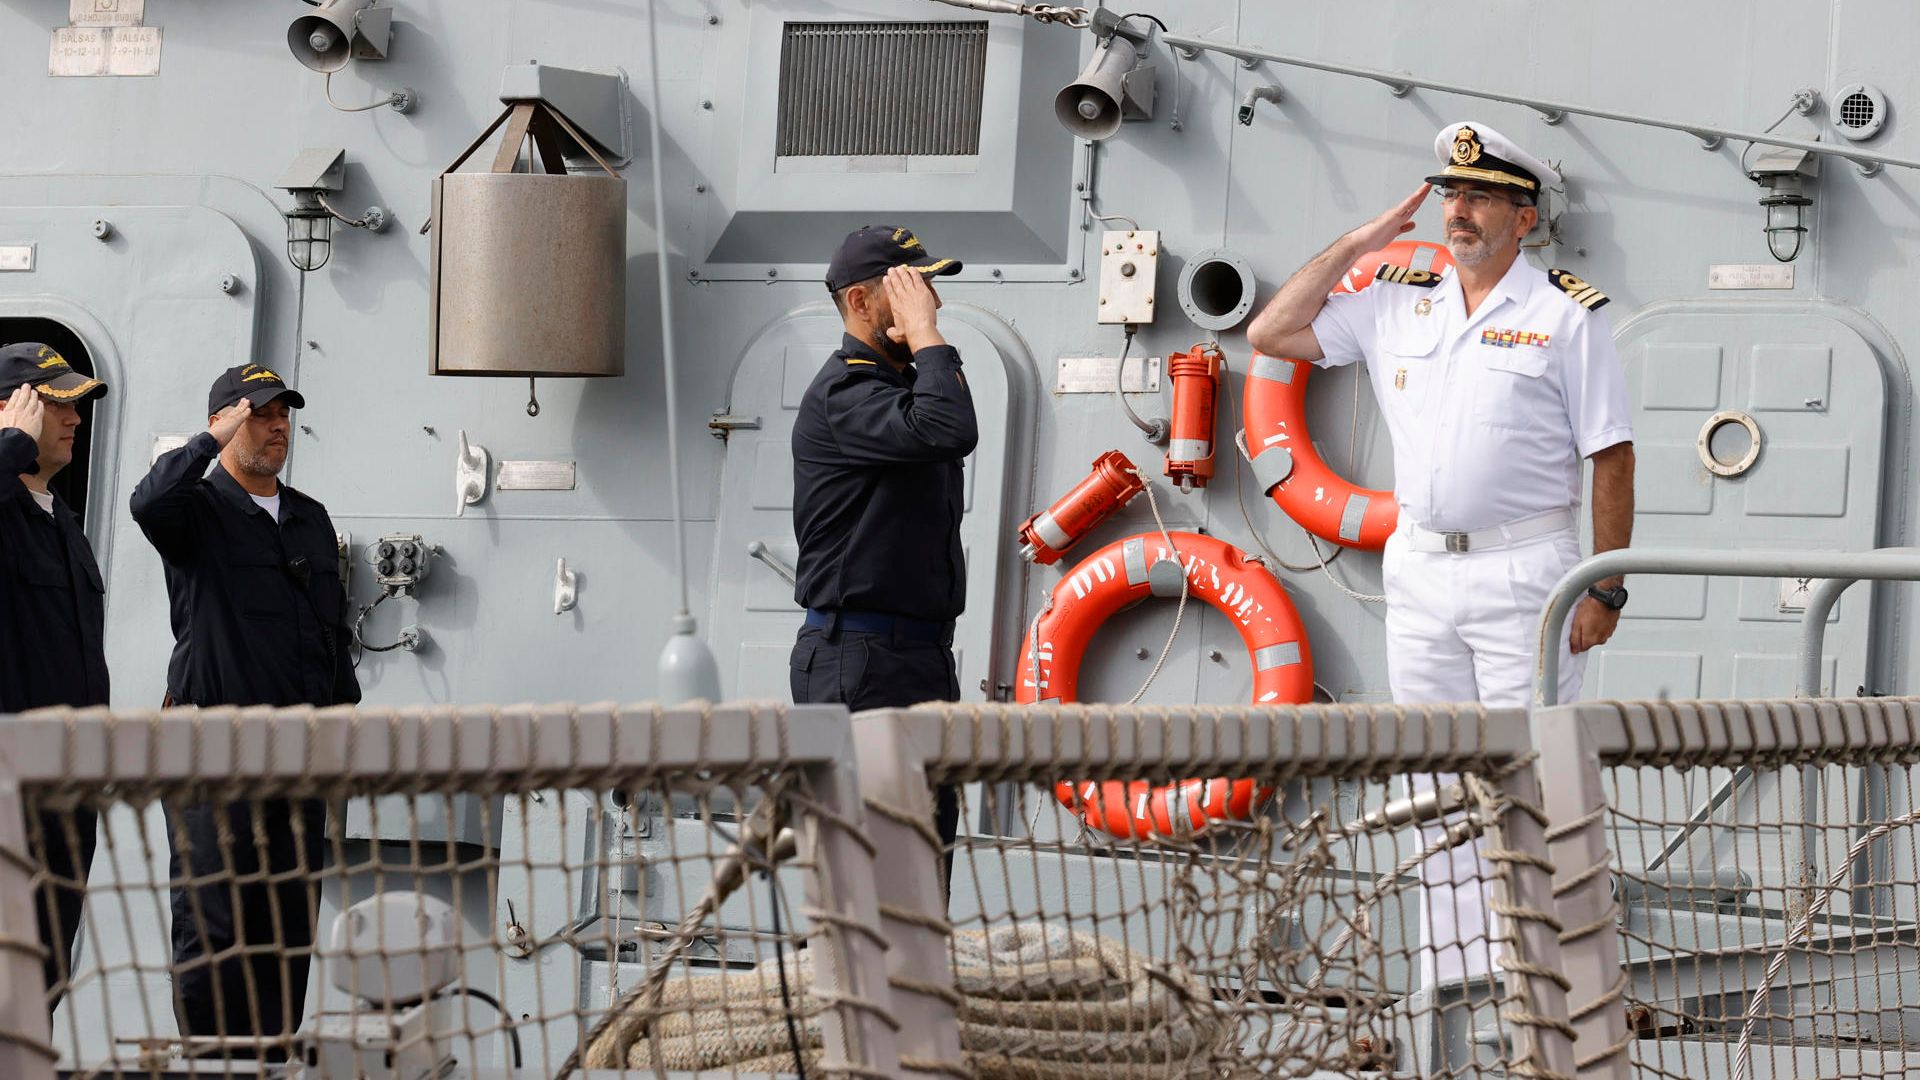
<point>1275,415</point>
<point>1115,577</point>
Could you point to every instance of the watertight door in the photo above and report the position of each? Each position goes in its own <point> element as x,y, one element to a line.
<point>754,618</point>
<point>1813,388</point>
<point>1815,391</point>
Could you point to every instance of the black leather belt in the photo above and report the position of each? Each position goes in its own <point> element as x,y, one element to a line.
<point>898,627</point>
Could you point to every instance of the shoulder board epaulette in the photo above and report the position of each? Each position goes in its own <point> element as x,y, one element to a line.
<point>1577,290</point>
<point>1401,275</point>
<point>856,360</point>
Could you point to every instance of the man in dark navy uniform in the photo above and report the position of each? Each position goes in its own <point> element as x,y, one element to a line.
<point>878,490</point>
<point>52,609</point>
<point>259,618</point>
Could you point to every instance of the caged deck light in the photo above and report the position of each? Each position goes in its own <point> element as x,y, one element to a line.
<point>310,223</point>
<point>1784,175</point>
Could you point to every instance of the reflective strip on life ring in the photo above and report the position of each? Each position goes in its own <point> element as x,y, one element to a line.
<point>1275,415</point>
<point>1115,577</point>
<point>1290,470</point>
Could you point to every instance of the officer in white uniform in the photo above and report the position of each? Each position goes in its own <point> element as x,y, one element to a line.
<point>1496,379</point>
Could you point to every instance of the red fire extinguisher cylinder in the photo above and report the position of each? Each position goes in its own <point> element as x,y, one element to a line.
<point>1196,383</point>
<point>1047,535</point>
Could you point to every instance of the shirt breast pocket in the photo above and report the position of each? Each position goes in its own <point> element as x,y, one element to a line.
<point>37,571</point>
<point>1408,372</point>
<point>1514,389</point>
<point>257,582</point>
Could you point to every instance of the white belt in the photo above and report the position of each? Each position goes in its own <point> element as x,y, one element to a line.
<point>1491,539</point>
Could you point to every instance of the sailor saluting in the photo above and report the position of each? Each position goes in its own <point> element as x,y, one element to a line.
<point>878,491</point>
<point>1495,381</point>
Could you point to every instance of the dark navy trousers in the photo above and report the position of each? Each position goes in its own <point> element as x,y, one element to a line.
<point>244,908</point>
<point>879,671</point>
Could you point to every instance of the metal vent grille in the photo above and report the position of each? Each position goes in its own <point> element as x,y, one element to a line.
<point>1857,110</point>
<point>913,88</point>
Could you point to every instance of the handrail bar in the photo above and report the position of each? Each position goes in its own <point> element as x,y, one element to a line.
<point>1882,564</point>
<point>1552,111</point>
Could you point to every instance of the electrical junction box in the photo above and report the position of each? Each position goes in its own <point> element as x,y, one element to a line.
<point>1129,261</point>
<point>400,562</point>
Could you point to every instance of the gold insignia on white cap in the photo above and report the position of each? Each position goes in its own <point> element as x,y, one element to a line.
<point>1466,147</point>
<point>1470,150</point>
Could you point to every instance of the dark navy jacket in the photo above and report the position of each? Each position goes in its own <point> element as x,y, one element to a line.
<point>259,611</point>
<point>878,488</point>
<point>52,599</point>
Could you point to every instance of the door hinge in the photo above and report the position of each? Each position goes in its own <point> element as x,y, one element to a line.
<point>722,424</point>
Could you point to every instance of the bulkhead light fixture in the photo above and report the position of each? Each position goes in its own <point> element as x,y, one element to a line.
<point>314,174</point>
<point>1785,175</point>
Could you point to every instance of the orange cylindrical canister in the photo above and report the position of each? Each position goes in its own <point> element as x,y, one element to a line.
<point>1047,535</point>
<point>1196,382</point>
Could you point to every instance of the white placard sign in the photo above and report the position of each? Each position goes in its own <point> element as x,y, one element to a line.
<point>535,476</point>
<point>1750,276</point>
<point>92,51</point>
<point>106,12</point>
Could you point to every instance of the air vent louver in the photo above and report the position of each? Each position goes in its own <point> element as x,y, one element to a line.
<point>894,88</point>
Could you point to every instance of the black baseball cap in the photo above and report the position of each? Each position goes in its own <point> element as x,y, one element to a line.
<point>872,250</point>
<point>253,382</point>
<point>30,363</point>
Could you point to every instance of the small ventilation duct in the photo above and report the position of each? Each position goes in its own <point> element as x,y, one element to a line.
<point>529,268</point>
<point>1216,290</point>
<point>1859,111</point>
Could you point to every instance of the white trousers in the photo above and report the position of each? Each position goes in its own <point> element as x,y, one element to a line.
<point>1464,627</point>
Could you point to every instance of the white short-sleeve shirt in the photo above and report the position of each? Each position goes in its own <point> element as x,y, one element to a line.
<point>1490,414</point>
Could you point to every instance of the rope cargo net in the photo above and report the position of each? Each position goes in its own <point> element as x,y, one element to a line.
<point>504,876</point>
<point>1765,877</point>
<point>1288,944</point>
<point>749,890</point>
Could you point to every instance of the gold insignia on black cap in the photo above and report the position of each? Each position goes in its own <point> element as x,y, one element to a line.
<point>1466,147</point>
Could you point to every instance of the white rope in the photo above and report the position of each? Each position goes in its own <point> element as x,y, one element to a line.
<point>1178,612</point>
<point>1743,1056</point>
<point>1239,496</point>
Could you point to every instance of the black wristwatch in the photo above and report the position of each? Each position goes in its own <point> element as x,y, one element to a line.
<point>1614,598</point>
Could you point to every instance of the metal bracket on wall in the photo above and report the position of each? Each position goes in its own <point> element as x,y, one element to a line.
<point>566,588</point>
<point>723,424</point>
<point>470,475</point>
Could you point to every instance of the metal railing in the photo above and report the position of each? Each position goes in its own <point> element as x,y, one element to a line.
<point>1710,135</point>
<point>1840,568</point>
<point>1750,935</point>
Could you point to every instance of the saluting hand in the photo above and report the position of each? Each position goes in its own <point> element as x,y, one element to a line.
<point>24,411</point>
<point>914,305</point>
<point>226,423</point>
<point>1382,230</point>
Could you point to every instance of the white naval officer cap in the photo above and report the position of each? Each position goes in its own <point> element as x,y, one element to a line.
<point>1470,150</point>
